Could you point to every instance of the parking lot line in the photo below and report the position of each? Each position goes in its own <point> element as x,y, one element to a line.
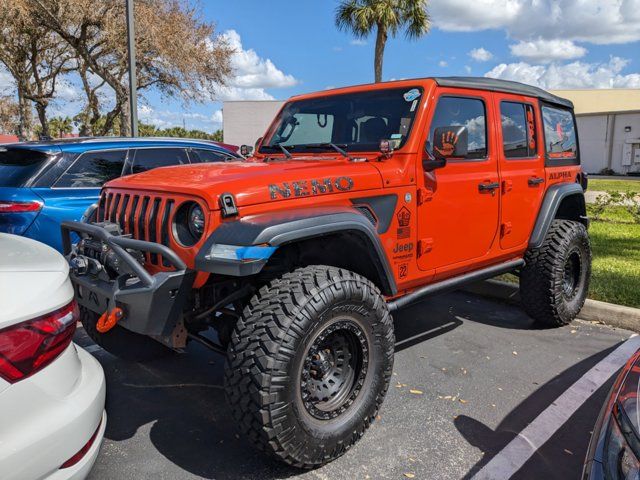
<point>511,458</point>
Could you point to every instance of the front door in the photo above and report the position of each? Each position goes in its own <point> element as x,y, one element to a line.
<point>458,214</point>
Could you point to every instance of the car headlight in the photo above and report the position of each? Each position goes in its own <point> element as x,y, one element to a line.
<point>189,224</point>
<point>196,220</point>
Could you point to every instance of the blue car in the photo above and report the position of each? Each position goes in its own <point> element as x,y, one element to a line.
<point>45,183</point>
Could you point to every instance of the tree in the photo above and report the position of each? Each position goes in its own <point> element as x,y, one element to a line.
<point>386,17</point>
<point>177,52</point>
<point>35,57</point>
<point>59,126</point>
<point>9,112</point>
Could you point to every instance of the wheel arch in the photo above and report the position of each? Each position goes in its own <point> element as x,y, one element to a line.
<point>309,235</point>
<point>561,201</point>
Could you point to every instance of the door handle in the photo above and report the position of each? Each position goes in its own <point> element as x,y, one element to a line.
<point>488,187</point>
<point>535,181</point>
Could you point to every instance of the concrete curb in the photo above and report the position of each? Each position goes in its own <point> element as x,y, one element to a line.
<point>593,310</point>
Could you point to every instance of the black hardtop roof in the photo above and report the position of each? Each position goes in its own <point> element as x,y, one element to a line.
<point>506,86</point>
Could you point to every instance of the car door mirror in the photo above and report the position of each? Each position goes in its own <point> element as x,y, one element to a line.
<point>448,142</point>
<point>246,150</point>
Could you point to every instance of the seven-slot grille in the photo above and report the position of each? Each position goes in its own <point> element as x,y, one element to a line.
<point>144,217</point>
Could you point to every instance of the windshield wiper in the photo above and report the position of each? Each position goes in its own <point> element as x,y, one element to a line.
<point>279,146</point>
<point>338,148</point>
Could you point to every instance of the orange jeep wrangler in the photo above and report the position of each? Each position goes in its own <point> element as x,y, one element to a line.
<point>357,202</point>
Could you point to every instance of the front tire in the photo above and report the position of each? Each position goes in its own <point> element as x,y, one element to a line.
<point>121,342</point>
<point>555,280</point>
<point>309,364</point>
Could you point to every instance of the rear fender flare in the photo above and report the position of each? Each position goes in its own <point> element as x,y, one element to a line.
<point>553,199</point>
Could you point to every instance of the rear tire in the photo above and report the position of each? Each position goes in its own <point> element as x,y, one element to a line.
<point>309,364</point>
<point>121,342</point>
<point>555,280</point>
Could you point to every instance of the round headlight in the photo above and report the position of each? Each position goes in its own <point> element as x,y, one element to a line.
<point>189,224</point>
<point>196,220</point>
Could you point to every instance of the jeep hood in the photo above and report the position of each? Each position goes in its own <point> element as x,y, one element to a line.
<point>253,182</point>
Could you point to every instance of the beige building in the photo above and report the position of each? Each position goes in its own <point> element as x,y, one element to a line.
<point>608,126</point>
<point>246,121</point>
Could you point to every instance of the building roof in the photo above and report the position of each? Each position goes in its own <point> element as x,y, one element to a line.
<point>609,100</point>
<point>507,86</point>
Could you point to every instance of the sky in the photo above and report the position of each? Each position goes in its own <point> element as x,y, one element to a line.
<point>287,47</point>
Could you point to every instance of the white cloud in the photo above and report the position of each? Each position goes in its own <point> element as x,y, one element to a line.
<point>467,69</point>
<point>442,63</point>
<point>358,42</point>
<point>252,74</point>
<point>481,55</point>
<point>572,75</point>
<point>546,51</point>
<point>595,21</point>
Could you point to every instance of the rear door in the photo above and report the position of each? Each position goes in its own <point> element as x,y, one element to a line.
<point>74,191</point>
<point>521,165</point>
<point>459,218</point>
<point>150,158</point>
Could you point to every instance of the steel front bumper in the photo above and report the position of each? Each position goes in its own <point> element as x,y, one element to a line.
<point>152,304</point>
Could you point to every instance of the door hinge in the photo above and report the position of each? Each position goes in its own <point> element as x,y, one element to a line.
<point>425,246</point>
<point>424,195</point>
<point>507,186</point>
<point>505,229</point>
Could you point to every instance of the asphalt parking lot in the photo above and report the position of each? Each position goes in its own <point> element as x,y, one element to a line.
<point>469,375</point>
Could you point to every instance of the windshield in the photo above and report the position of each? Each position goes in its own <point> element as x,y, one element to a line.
<point>18,165</point>
<point>355,122</point>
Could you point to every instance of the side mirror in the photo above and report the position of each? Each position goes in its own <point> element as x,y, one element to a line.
<point>448,142</point>
<point>246,150</point>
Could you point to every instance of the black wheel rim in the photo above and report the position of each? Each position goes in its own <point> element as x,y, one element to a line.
<point>334,370</point>
<point>572,274</point>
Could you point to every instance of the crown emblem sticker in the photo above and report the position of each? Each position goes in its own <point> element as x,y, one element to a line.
<point>411,95</point>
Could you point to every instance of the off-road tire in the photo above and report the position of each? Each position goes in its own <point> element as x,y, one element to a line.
<point>268,356</point>
<point>543,283</point>
<point>121,342</point>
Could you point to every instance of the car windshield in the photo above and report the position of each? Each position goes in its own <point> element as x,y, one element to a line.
<point>355,122</point>
<point>19,165</point>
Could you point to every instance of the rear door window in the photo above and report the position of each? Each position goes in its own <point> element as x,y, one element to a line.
<point>93,169</point>
<point>19,165</point>
<point>150,158</point>
<point>200,155</point>
<point>518,130</point>
<point>560,136</point>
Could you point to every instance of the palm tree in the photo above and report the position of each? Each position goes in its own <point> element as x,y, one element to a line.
<point>387,17</point>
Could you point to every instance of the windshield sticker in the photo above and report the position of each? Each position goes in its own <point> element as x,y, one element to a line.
<point>412,95</point>
<point>414,105</point>
<point>396,135</point>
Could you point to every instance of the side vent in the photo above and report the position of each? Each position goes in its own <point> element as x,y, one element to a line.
<point>366,211</point>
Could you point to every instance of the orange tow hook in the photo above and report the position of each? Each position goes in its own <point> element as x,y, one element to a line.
<point>108,320</point>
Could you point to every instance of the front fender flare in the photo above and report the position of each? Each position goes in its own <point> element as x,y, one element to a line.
<point>282,228</point>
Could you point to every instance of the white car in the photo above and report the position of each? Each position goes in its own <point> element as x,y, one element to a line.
<point>52,417</point>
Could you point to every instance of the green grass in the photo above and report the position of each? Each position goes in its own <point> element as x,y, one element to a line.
<point>615,276</point>
<point>598,185</point>
<point>615,271</point>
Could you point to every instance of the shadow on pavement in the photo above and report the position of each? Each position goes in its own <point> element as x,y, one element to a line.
<point>182,397</point>
<point>553,460</point>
